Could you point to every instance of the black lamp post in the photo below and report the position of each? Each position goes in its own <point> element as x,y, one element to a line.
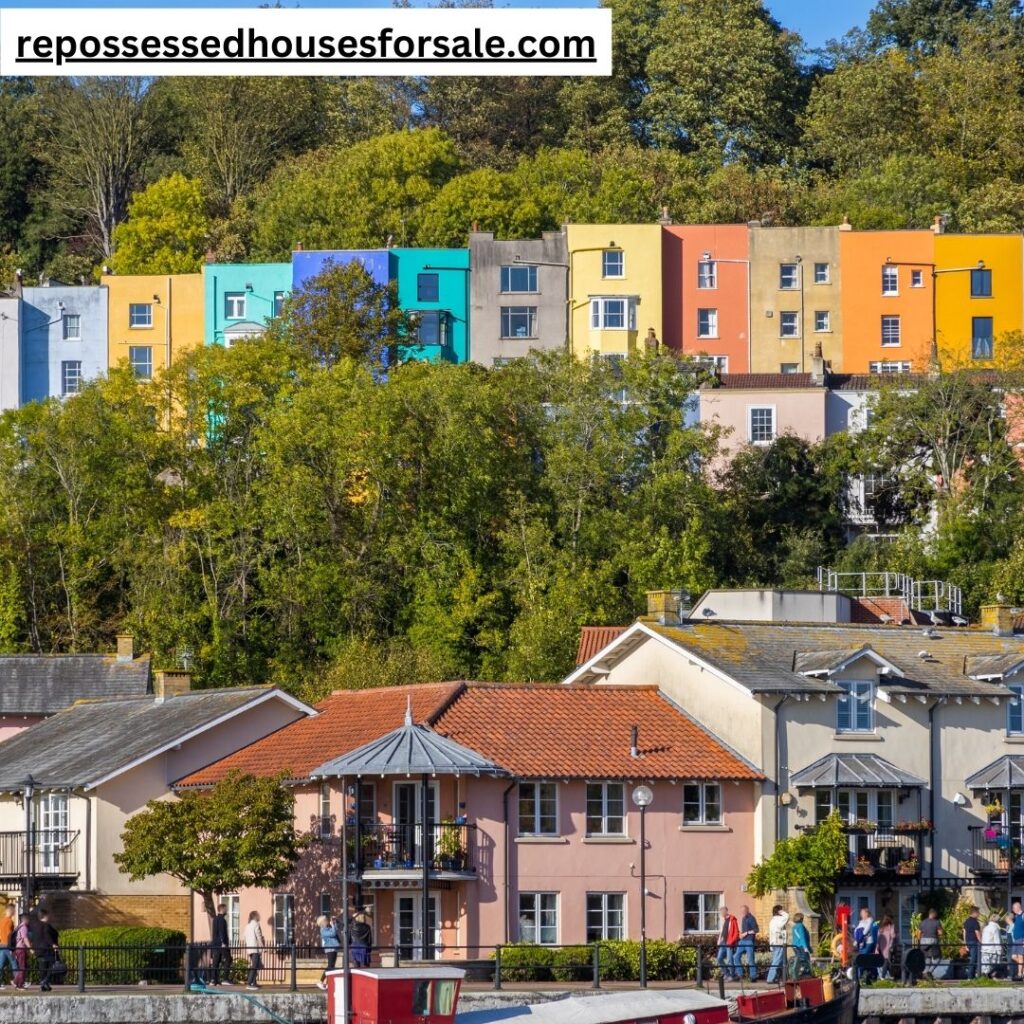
<point>28,788</point>
<point>643,797</point>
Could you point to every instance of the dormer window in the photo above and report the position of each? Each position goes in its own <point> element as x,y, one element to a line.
<point>855,709</point>
<point>1015,710</point>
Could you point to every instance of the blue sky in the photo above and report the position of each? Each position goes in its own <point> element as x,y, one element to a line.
<point>816,20</point>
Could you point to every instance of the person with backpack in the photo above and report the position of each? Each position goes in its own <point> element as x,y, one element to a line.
<point>8,925</point>
<point>22,945</point>
<point>46,950</point>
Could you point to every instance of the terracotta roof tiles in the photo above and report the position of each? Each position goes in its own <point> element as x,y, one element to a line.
<point>596,638</point>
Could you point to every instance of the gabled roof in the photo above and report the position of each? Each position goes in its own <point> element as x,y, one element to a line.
<point>94,741</point>
<point>865,770</point>
<point>1005,773</point>
<point>553,731</point>
<point>410,749</point>
<point>828,663</point>
<point>761,656</point>
<point>43,684</point>
<point>345,720</point>
<point>594,638</point>
<point>994,666</point>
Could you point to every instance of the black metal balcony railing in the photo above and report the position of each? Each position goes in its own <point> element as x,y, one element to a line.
<point>883,852</point>
<point>445,846</point>
<point>49,856</point>
<point>997,849</point>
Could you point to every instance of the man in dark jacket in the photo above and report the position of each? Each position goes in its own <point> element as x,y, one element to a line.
<point>220,951</point>
<point>45,949</point>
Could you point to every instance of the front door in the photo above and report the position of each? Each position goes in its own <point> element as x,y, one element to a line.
<point>409,927</point>
<point>409,820</point>
<point>53,829</point>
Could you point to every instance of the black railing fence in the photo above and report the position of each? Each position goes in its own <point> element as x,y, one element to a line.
<point>997,849</point>
<point>446,846</point>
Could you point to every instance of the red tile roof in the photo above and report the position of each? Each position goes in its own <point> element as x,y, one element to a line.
<point>551,730</point>
<point>768,380</point>
<point>346,720</point>
<point>594,639</point>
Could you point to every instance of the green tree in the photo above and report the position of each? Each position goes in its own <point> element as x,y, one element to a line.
<point>928,25</point>
<point>239,834</point>
<point>166,231</point>
<point>810,861</point>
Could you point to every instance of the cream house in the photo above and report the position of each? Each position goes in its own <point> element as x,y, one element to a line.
<point>69,784</point>
<point>898,727</point>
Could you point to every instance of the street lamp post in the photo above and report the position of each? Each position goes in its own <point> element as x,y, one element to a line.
<point>708,258</point>
<point>643,797</point>
<point>28,788</point>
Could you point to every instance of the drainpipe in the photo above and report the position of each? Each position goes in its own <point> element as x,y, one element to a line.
<point>931,788</point>
<point>778,768</point>
<point>508,849</point>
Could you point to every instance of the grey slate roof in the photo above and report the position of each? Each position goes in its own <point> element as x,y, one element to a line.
<point>410,749</point>
<point>47,683</point>
<point>762,656</point>
<point>1006,773</point>
<point>993,666</point>
<point>862,770</point>
<point>92,740</point>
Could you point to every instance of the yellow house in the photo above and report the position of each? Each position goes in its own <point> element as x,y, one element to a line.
<point>152,319</point>
<point>979,297</point>
<point>614,287</point>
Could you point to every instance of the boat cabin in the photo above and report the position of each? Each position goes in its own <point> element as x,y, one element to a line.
<point>648,1007</point>
<point>396,995</point>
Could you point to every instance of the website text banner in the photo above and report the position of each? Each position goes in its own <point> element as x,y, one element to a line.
<point>224,41</point>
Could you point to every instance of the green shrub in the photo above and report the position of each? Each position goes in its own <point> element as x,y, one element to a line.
<point>573,963</point>
<point>121,955</point>
<point>526,962</point>
<point>620,960</point>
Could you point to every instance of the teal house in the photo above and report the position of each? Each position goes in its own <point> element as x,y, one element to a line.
<point>241,297</point>
<point>433,286</point>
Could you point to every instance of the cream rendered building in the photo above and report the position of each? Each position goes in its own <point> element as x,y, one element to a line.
<point>894,725</point>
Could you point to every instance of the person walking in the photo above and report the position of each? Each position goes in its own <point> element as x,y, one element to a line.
<point>801,939</point>
<point>929,936</point>
<point>1016,936</point>
<point>778,937</point>
<point>360,939</point>
<point>46,949</point>
<point>8,925</point>
<point>728,939</point>
<point>220,947</point>
<point>748,937</point>
<point>991,947</point>
<point>22,945</point>
<point>254,948</point>
<point>865,940</point>
<point>972,940</point>
<point>330,943</point>
<point>886,944</point>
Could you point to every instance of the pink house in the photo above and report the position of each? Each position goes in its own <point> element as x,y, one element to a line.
<point>544,848</point>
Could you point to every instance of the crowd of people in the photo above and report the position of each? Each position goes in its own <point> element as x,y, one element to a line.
<point>24,938</point>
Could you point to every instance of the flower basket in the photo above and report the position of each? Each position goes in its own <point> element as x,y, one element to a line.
<point>864,868</point>
<point>992,834</point>
<point>907,867</point>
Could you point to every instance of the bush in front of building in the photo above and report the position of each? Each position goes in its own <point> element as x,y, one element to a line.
<point>123,955</point>
<point>620,960</point>
<point>526,962</point>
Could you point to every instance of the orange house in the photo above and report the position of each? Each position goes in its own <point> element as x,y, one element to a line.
<point>706,288</point>
<point>887,300</point>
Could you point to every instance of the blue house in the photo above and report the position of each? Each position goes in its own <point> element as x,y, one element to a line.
<point>63,339</point>
<point>308,264</point>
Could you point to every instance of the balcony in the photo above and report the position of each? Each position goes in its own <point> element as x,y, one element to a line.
<point>394,852</point>
<point>889,855</point>
<point>50,857</point>
<point>996,849</point>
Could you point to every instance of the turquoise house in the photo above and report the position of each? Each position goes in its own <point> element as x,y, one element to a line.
<point>433,286</point>
<point>241,297</point>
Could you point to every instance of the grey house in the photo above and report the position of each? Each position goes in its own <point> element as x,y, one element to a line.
<point>10,352</point>
<point>518,295</point>
<point>63,339</point>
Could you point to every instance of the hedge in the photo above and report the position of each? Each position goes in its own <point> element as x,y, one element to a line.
<point>121,955</point>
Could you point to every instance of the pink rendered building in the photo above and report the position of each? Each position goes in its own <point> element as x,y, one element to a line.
<point>544,850</point>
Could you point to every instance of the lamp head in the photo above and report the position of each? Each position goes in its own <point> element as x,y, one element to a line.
<point>643,796</point>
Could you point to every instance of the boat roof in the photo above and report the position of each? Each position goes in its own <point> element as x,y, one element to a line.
<point>405,973</point>
<point>600,1009</point>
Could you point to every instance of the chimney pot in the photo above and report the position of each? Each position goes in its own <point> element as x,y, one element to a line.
<point>846,225</point>
<point>171,683</point>
<point>937,225</point>
<point>211,256</point>
<point>125,647</point>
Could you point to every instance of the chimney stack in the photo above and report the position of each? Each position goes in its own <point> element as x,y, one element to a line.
<point>818,365</point>
<point>667,607</point>
<point>171,683</point>
<point>211,256</point>
<point>665,220</point>
<point>846,225</point>
<point>938,224</point>
<point>998,618</point>
<point>125,647</point>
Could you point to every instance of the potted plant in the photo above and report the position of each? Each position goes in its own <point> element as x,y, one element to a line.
<point>995,810</point>
<point>992,833</point>
<point>863,867</point>
<point>864,826</point>
<point>907,867</point>
<point>450,850</point>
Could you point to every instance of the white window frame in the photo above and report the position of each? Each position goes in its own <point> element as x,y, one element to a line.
<point>709,917</point>
<point>751,409</point>
<point>789,272</point>
<point>141,348</point>
<point>707,275</point>
<point>65,366</point>
<point>324,828</point>
<point>788,368</point>
<point>599,312</point>
<point>890,279</point>
<point>707,323</point>
<point>784,320</point>
<point>506,274</point>
<point>605,815</point>
<point>823,321</point>
<point>140,316</point>
<point>234,305</point>
<point>916,278</point>
<point>66,331</point>
<point>1015,710</point>
<point>709,794</point>
<point>858,701</point>
<point>279,298</point>
<point>822,273</point>
<point>543,902</point>
<point>609,259</point>
<point>890,318</point>
<point>538,818</point>
<point>233,917</point>
<point>884,366</point>
<point>605,931</point>
<point>283,909</point>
